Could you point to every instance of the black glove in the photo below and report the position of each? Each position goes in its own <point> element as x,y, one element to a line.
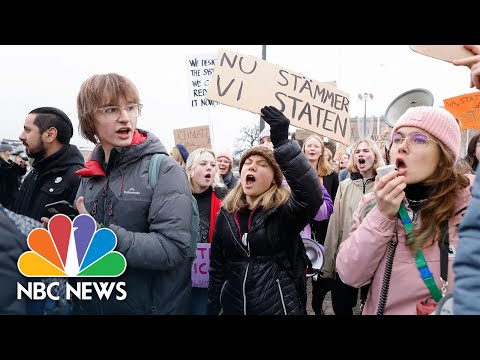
<point>278,125</point>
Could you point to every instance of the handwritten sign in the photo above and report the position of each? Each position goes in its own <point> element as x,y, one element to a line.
<point>466,109</point>
<point>249,83</point>
<point>201,68</point>
<point>201,266</point>
<point>382,140</point>
<point>193,138</point>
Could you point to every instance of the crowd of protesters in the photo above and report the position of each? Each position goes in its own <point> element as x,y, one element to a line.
<point>404,240</point>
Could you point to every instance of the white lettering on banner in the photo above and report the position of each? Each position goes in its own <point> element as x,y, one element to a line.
<point>83,290</point>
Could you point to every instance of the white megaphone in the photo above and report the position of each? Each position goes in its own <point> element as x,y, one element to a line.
<point>316,254</point>
<point>410,98</point>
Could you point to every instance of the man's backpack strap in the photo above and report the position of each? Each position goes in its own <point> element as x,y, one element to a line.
<point>153,173</point>
<point>154,169</point>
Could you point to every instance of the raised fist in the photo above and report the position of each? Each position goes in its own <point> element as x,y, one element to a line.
<point>278,125</point>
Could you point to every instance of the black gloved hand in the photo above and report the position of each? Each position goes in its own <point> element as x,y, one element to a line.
<point>278,125</point>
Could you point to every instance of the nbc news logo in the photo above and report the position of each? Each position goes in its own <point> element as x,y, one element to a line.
<point>72,250</point>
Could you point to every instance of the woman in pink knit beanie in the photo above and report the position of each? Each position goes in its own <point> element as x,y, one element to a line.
<point>225,169</point>
<point>424,197</point>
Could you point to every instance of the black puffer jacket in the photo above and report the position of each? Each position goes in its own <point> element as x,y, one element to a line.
<point>52,179</point>
<point>267,277</point>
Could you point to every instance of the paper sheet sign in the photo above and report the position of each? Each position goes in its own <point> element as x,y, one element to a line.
<point>249,83</point>
<point>201,266</point>
<point>201,67</point>
<point>466,109</point>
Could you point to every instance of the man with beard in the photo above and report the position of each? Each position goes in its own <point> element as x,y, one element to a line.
<point>46,135</point>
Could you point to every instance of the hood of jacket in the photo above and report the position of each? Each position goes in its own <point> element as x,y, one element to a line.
<point>143,143</point>
<point>67,156</point>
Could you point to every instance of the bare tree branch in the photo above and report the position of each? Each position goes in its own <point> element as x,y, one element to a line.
<point>249,137</point>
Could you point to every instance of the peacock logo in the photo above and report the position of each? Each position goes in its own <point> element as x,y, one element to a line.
<point>72,249</point>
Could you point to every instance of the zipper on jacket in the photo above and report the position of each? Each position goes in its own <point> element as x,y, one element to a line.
<point>105,185</point>
<point>221,293</point>
<point>244,294</point>
<point>281,297</point>
<point>122,180</point>
<point>234,237</point>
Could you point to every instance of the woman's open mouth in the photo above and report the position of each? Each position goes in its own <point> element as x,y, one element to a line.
<point>401,166</point>
<point>249,180</point>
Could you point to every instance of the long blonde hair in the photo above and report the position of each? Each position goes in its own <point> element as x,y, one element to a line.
<point>324,167</point>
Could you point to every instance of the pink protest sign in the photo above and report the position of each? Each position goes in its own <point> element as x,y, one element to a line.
<point>201,266</point>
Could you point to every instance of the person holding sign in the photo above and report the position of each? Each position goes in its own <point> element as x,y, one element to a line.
<point>204,181</point>
<point>151,223</point>
<point>473,62</point>
<point>404,233</point>
<point>258,261</point>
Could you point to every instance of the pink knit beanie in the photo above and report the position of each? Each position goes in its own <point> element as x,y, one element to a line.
<point>224,154</point>
<point>435,120</point>
<point>265,133</point>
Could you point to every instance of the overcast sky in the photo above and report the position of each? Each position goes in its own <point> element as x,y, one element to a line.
<point>34,76</point>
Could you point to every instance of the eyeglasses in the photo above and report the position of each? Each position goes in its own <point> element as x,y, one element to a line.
<point>415,140</point>
<point>112,113</point>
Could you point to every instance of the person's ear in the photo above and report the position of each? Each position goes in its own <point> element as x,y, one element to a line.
<point>51,134</point>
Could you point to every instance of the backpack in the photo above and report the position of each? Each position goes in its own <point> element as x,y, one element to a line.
<point>153,172</point>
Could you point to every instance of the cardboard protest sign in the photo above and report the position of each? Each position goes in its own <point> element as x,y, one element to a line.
<point>201,67</point>
<point>201,266</point>
<point>443,52</point>
<point>193,138</point>
<point>382,140</point>
<point>249,83</point>
<point>466,109</point>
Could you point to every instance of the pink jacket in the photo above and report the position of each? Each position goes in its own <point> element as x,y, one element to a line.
<point>362,256</point>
